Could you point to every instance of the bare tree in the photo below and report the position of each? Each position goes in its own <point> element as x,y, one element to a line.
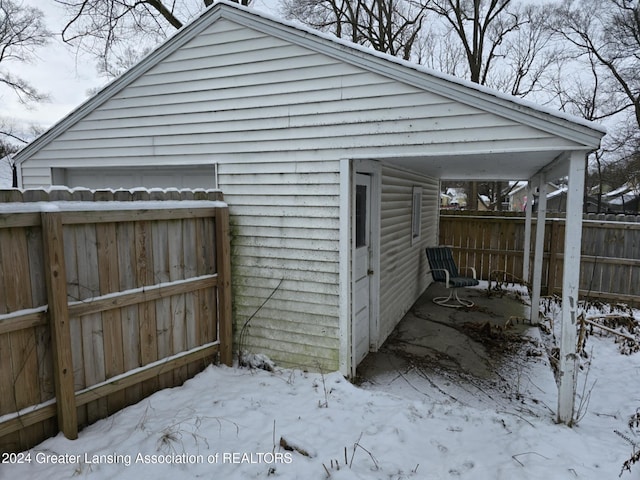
<point>119,32</point>
<point>480,26</point>
<point>504,47</point>
<point>440,51</point>
<point>22,31</point>
<point>528,55</point>
<point>389,26</point>
<point>604,40</point>
<point>608,33</point>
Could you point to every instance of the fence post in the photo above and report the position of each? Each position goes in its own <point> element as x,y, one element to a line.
<point>223,262</point>
<point>56,279</point>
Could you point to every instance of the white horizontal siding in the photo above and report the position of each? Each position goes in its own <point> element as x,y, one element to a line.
<point>228,110</point>
<point>34,176</point>
<point>233,92</point>
<point>378,120</point>
<point>403,267</point>
<point>285,228</point>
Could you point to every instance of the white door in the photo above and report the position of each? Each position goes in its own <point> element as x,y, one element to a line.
<point>362,269</point>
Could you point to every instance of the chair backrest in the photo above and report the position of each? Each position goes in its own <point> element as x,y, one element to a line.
<point>441,258</point>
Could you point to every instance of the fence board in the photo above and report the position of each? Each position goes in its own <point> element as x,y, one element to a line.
<point>111,321</point>
<point>177,306</point>
<point>129,311</point>
<point>35,248</point>
<point>140,304</point>
<point>75,323</point>
<point>159,233</point>
<point>146,310</point>
<point>92,328</point>
<point>24,359</point>
<point>190,270</point>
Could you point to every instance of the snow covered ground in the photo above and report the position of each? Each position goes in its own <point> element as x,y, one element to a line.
<point>237,423</point>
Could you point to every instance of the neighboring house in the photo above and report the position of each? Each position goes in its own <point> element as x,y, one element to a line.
<point>445,201</point>
<point>6,172</point>
<point>329,155</point>
<point>457,198</point>
<point>518,195</point>
<point>484,202</point>
<point>624,199</point>
<point>557,201</point>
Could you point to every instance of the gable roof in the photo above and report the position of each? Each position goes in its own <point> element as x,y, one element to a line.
<point>572,128</point>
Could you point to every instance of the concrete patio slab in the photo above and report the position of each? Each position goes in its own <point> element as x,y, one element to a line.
<point>487,356</point>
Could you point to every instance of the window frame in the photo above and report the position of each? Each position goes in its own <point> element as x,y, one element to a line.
<point>416,214</point>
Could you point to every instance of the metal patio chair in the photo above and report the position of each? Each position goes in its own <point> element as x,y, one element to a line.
<point>444,269</point>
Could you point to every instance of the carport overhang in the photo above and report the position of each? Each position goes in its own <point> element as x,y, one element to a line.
<point>537,166</point>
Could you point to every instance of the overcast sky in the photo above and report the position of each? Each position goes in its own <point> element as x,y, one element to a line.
<point>55,72</point>
<point>58,72</point>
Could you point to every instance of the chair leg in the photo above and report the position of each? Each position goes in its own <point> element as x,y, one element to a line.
<point>453,300</point>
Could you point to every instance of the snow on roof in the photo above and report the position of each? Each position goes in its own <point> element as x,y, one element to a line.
<point>625,188</point>
<point>557,193</point>
<point>519,186</point>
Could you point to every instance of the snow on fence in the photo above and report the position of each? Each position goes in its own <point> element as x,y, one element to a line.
<point>105,298</point>
<point>494,241</point>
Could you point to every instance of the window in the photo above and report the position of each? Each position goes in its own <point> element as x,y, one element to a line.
<point>361,216</point>
<point>416,215</point>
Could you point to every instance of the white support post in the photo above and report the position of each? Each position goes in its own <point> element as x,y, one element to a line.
<point>539,250</point>
<point>526,261</point>
<point>568,365</point>
<point>344,284</point>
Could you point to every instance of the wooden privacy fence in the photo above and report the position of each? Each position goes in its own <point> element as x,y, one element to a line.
<point>105,298</point>
<point>610,261</point>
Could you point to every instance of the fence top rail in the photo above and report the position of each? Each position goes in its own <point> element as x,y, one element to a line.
<point>27,214</point>
<point>55,193</point>
<point>599,217</point>
<point>72,206</point>
<point>587,220</point>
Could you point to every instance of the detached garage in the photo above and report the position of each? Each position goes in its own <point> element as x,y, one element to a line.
<point>329,156</point>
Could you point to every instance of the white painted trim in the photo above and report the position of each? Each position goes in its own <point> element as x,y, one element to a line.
<point>374,169</point>
<point>558,166</point>
<point>19,172</point>
<point>479,151</point>
<point>568,365</point>
<point>526,264</point>
<point>344,282</point>
<point>539,249</point>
